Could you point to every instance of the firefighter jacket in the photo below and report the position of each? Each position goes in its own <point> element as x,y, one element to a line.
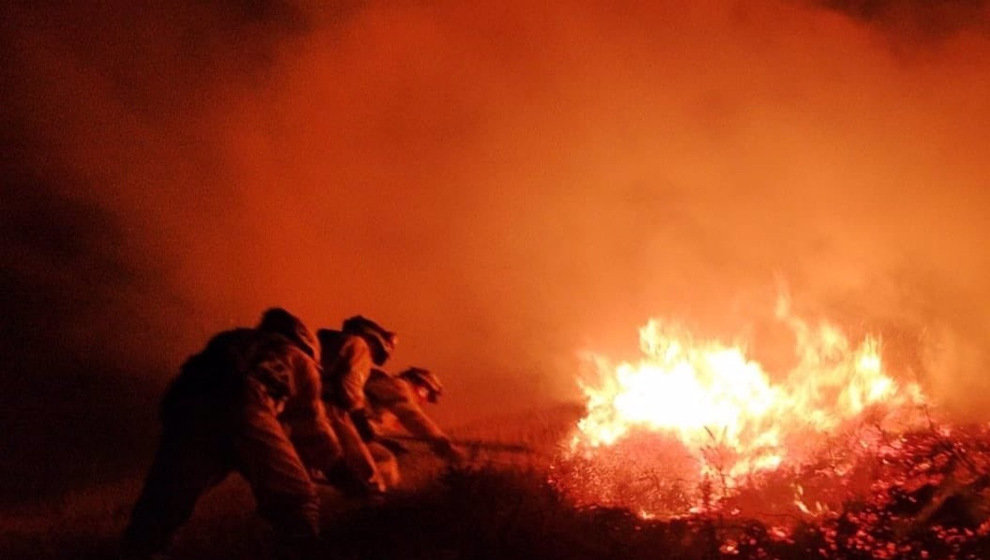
<point>388,395</point>
<point>346,368</point>
<point>235,360</point>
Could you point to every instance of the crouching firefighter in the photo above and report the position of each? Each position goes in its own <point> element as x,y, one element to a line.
<point>396,404</point>
<point>348,357</point>
<point>248,403</point>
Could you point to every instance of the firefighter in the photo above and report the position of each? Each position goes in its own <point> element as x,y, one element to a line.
<point>348,357</point>
<point>398,400</point>
<point>250,403</point>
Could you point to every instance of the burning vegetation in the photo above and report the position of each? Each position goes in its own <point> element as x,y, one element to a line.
<point>838,456</point>
<point>707,416</point>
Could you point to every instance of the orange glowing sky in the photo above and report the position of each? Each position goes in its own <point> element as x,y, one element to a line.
<point>503,183</point>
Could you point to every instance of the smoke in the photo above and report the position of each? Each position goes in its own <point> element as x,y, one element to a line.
<point>504,184</point>
<point>919,19</point>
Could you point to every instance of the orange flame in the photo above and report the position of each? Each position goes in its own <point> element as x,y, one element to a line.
<point>709,395</point>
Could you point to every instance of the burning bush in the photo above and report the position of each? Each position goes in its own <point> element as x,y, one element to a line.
<point>696,423</point>
<point>836,459</point>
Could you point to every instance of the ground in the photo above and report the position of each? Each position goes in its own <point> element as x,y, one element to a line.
<point>500,506</point>
<point>86,523</point>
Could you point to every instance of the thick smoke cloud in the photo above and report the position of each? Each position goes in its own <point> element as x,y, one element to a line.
<point>503,184</point>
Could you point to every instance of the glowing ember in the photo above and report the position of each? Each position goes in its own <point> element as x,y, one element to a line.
<point>711,401</point>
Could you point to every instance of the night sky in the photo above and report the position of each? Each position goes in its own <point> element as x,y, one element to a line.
<point>505,184</point>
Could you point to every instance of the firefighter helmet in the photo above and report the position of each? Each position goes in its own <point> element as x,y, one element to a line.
<point>426,380</point>
<point>280,321</point>
<point>381,341</point>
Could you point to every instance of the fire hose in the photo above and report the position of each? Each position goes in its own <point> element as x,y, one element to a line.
<point>470,444</point>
